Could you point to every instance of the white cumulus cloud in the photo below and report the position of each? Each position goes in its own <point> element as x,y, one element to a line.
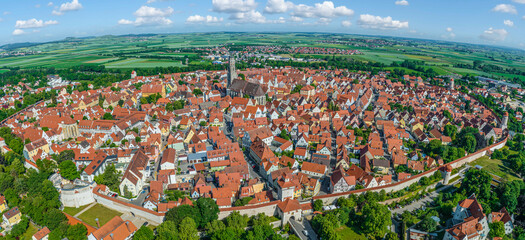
<point>346,23</point>
<point>402,2</point>
<point>377,22</point>
<point>296,19</point>
<point>278,6</point>
<point>327,9</point>
<point>17,32</point>
<point>505,8</point>
<point>68,7</point>
<point>494,35</point>
<point>203,19</point>
<point>34,23</point>
<point>125,21</point>
<point>146,15</point>
<point>450,33</point>
<point>233,6</point>
<point>508,23</point>
<point>249,17</point>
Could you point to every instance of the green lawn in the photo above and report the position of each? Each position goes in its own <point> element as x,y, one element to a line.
<point>31,230</point>
<point>496,167</point>
<point>98,211</point>
<point>348,233</point>
<point>72,211</point>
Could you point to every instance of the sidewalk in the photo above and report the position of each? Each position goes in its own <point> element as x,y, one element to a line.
<point>85,209</point>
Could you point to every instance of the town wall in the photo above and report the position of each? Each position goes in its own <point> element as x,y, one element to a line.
<point>78,196</point>
<point>267,208</point>
<point>331,198</point>
<point>124,207</point>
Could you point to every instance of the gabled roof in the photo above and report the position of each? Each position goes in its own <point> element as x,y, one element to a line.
<point>115,229</point>
<point>289,205</point>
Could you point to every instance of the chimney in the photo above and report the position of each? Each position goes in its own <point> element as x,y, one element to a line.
<point>111,235</point>
<point>127,226</point>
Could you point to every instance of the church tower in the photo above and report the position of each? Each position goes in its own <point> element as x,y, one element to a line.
<point>232,72</point>
<point>451,84</point>
<point>505,121</point>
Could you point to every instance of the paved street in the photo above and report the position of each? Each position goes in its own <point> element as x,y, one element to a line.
<point>299,228</point>
<point>427,199</point>
<point>416,204</point>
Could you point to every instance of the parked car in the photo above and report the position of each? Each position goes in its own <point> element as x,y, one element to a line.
<point>305,232</point>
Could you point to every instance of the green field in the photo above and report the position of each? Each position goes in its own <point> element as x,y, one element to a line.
<point>347,233</point>
<point>142,63</point>
<point>72,211</point>
<point>170,50</point>
<point>31,230</point>
<point>495,167</point>
<point>98,211</point>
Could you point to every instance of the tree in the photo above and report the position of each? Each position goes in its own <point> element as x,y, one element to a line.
<point>346,202</point>
<point>53,218</point>
<point>77,232</point>
<point>197,92</point>
<point>375,220</point>
<point>110,178</point>
<point>428,224</point>
<point>435,147</point>
<point>167,231</point>
<point>325,228</point>
<point>18,166</point>
<point>16,145</point>
<point>470,143</point>
<point>107,116</point>
<point>391,236</point>
<point>293,237</point>
<point>208,210</point>
<point>64,156</point>
<point>447,114</point>
<point>55,235</point>
<point>408,218</point>
<point>144,233</point>
<point>242,202</point>
<point>68,170</point>
<point>318,205</point>
<point>20,228</point>
<point>497,229</point>
<point>242,76</point>
<point>188,229</point>
<point>214,226</point>
<point>284,134</point>
<point>127,194</point>
<point>177,214</point>
<point>236,221</point>
<point>510,191</point>
<point>477,182</point>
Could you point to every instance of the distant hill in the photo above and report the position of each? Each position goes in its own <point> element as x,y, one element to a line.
<point>13,46</point>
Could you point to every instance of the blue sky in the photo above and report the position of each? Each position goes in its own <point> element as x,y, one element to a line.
<point>493,22</point>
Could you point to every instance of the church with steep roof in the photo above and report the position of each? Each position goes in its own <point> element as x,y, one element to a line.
<point>241,88</point>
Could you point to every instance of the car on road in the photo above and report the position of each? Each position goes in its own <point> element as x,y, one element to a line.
<point>305,232</point>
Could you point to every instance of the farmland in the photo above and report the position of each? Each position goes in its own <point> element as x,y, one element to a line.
<point>172,50</point>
